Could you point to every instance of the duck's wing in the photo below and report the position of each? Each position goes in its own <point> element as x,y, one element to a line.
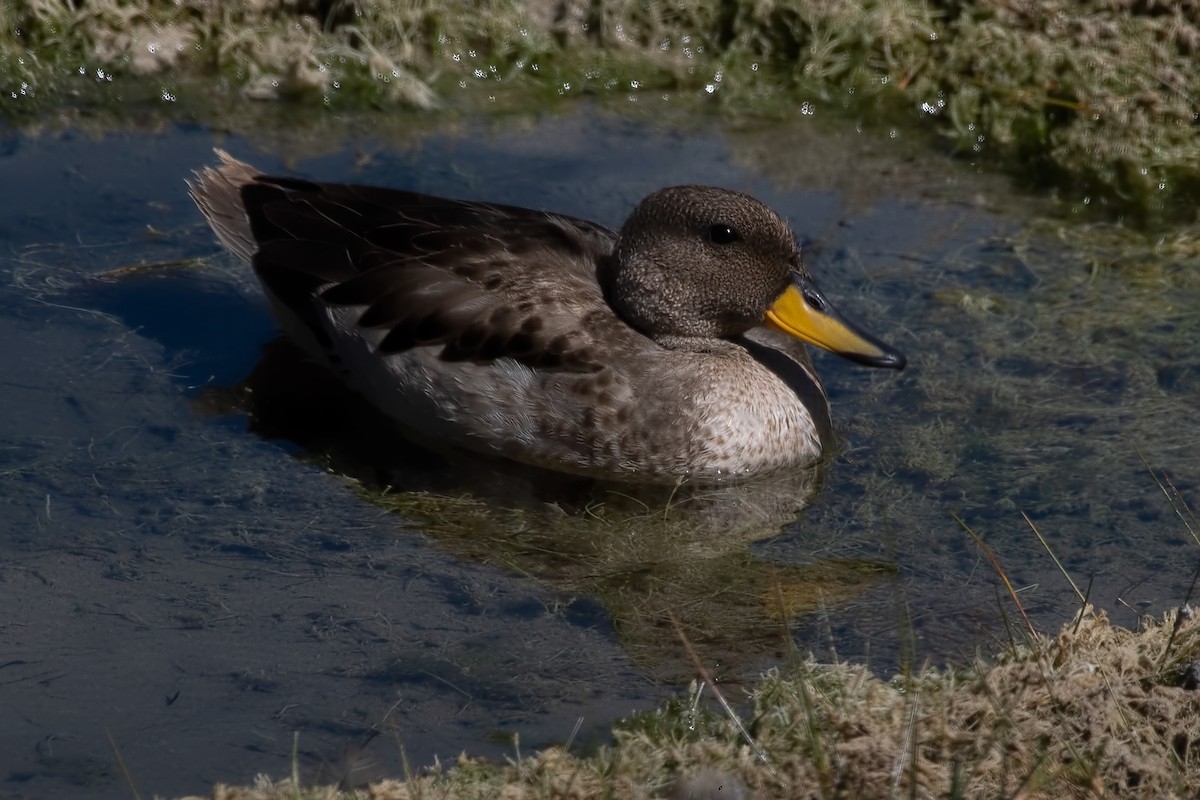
<point>483,281</point>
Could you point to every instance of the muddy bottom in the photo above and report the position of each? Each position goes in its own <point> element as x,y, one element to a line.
<point>195,571</point>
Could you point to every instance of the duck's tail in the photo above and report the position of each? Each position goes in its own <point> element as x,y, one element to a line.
<point>217,192</point>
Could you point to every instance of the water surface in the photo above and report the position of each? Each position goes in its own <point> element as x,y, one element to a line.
<point>200,584</point>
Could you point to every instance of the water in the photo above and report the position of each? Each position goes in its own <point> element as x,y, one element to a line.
<point>198,585</point>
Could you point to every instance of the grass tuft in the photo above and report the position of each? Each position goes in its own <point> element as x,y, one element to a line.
<point>1086,713</point>
<point>1094,100</point>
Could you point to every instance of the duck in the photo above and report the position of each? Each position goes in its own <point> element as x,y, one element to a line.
<point>673,349</point>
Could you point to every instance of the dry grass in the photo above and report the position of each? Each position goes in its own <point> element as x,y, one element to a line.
<point>1094,99</point>
<point>1096,711</point>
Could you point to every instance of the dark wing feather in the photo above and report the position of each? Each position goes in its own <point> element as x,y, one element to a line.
<point>484,281</point>
<point>295,270</point>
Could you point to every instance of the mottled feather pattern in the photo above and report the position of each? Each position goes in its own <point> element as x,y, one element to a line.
<point>404,258</point>
<point>555,341</point>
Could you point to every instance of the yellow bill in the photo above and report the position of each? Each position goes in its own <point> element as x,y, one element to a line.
<point>802,311</point>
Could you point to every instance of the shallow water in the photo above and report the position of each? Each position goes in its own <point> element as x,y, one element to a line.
<point>195,584</point>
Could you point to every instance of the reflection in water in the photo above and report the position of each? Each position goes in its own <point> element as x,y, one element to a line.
<point>1044,370</point>
<point>644,551</point>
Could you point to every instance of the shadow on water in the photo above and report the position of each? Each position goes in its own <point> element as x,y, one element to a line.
<point>203,596</point>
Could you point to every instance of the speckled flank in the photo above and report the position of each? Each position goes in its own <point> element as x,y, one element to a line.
<point>731,416</point>
<point>544,338</point>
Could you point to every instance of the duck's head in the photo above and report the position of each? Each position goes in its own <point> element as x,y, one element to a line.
<point>697,262</point>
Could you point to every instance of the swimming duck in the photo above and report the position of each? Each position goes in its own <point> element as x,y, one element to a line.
<point>672,349</point>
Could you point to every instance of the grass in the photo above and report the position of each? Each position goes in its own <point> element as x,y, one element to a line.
<point>1091,100</point>
<point>1092,712</point>
<point>1095,711</point>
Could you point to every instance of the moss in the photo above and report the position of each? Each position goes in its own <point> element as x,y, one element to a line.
<point>1089,99</point>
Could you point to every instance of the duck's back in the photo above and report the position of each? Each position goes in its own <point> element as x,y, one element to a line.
<point>485,326</point>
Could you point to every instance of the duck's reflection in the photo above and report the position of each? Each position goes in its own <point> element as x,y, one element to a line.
<point>645,552</point>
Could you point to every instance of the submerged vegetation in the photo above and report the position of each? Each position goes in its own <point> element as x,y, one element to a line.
<point>1097,711</point>
<point>1094,99</point>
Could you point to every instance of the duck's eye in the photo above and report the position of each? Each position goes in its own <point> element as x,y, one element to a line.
<point>723,234</point>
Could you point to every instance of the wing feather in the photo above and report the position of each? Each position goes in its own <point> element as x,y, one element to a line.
<point>485,281</point>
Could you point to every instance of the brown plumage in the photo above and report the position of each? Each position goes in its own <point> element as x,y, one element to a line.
<point>548,339</point>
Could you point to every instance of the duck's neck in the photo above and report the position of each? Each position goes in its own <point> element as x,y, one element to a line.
<point>679,338</point>
<point>801,378</point>
<point>607,276</point>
